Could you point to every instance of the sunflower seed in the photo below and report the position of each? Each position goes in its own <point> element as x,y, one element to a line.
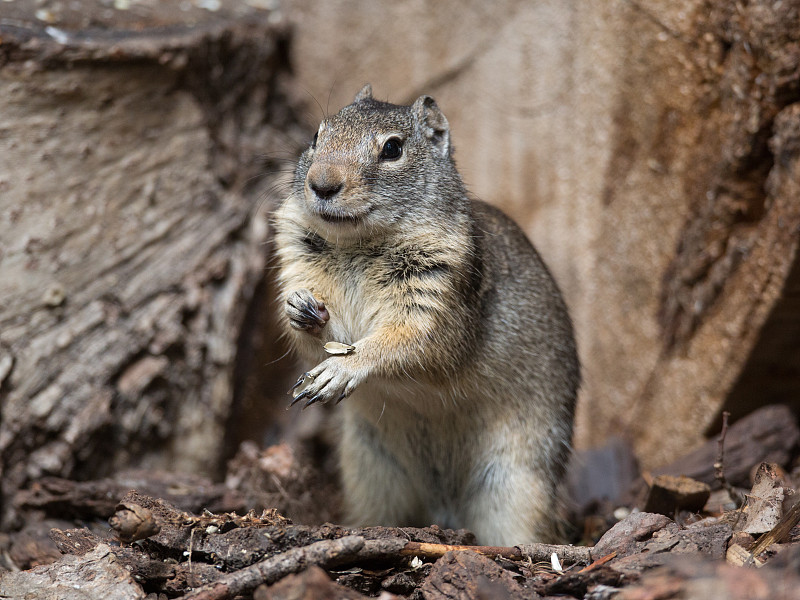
<point>338,348</point>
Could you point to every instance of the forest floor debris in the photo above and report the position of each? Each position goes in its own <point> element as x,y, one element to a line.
<point>165,543</point>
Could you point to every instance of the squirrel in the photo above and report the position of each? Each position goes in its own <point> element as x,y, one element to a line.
<point>456,363</point>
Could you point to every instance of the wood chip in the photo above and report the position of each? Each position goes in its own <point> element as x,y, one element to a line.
<point>669,494</point>
<point>738,556</point>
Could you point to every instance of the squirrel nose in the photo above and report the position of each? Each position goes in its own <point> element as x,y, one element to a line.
<point>325,181</point>
<point>325,190</point>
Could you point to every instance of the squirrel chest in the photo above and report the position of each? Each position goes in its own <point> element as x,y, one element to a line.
<point>386,282</point>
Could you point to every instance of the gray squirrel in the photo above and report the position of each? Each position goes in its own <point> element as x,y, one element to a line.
<point>455,360</point>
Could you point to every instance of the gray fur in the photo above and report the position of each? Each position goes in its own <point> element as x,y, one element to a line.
<point>458,400</point>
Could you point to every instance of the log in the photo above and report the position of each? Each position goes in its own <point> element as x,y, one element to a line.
<point>131,210</point>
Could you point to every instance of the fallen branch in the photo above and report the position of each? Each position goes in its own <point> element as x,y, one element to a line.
<point>598,563</point>
<point>566,554</point>
<point>387,548</point>
<point>434,551</point>
<point>326,553</point>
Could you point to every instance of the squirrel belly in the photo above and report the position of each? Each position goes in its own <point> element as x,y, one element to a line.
<point>457,398</point>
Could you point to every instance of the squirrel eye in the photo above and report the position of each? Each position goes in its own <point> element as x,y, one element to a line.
<point>392,149</point>
<point>314,141</point>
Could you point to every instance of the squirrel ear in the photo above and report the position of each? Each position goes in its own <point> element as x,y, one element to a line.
<point>433,123</point>
<point>364,94</point>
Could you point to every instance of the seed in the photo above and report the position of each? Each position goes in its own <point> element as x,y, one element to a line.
<point>338,348</point>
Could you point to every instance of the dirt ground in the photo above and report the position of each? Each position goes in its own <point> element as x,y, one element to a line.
<point>701,527</point>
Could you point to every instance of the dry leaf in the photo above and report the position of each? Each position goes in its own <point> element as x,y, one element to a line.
<point>764,507</point>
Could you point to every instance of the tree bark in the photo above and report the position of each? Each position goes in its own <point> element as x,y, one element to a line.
<point>96,574</point>
<point>131,212</point>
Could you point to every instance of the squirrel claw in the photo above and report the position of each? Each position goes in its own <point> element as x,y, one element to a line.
<point>329,382</point>
<point>312,400</point>
<point>303,378</point>
<point>297,398</point>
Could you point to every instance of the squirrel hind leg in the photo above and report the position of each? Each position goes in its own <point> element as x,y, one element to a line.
<point>377,490</point>
<point>519,508</point>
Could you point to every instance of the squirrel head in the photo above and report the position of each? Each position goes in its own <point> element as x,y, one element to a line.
<point>374,166</point>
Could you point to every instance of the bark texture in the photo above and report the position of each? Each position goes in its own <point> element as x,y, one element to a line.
<point>97,574</point>
<point>132,235</point>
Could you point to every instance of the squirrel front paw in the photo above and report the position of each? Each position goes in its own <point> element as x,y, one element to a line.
<point>331,380</point>
<point>305,312</point>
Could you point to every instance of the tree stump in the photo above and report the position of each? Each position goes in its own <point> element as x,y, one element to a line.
<point>131,212</point>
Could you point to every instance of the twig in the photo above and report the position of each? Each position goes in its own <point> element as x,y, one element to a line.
<point>388,548</point>
<point>426,550</point>
<point>566,554</point>
<point>599,562</point>
<point>719,464</point>
<point>326,553</point>
<point>191,549</point>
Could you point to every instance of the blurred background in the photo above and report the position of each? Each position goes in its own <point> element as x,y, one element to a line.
<point>650,149</point>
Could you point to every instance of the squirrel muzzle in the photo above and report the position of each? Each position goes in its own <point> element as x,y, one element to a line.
<point>329,195</point>
<point>324,182</point>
